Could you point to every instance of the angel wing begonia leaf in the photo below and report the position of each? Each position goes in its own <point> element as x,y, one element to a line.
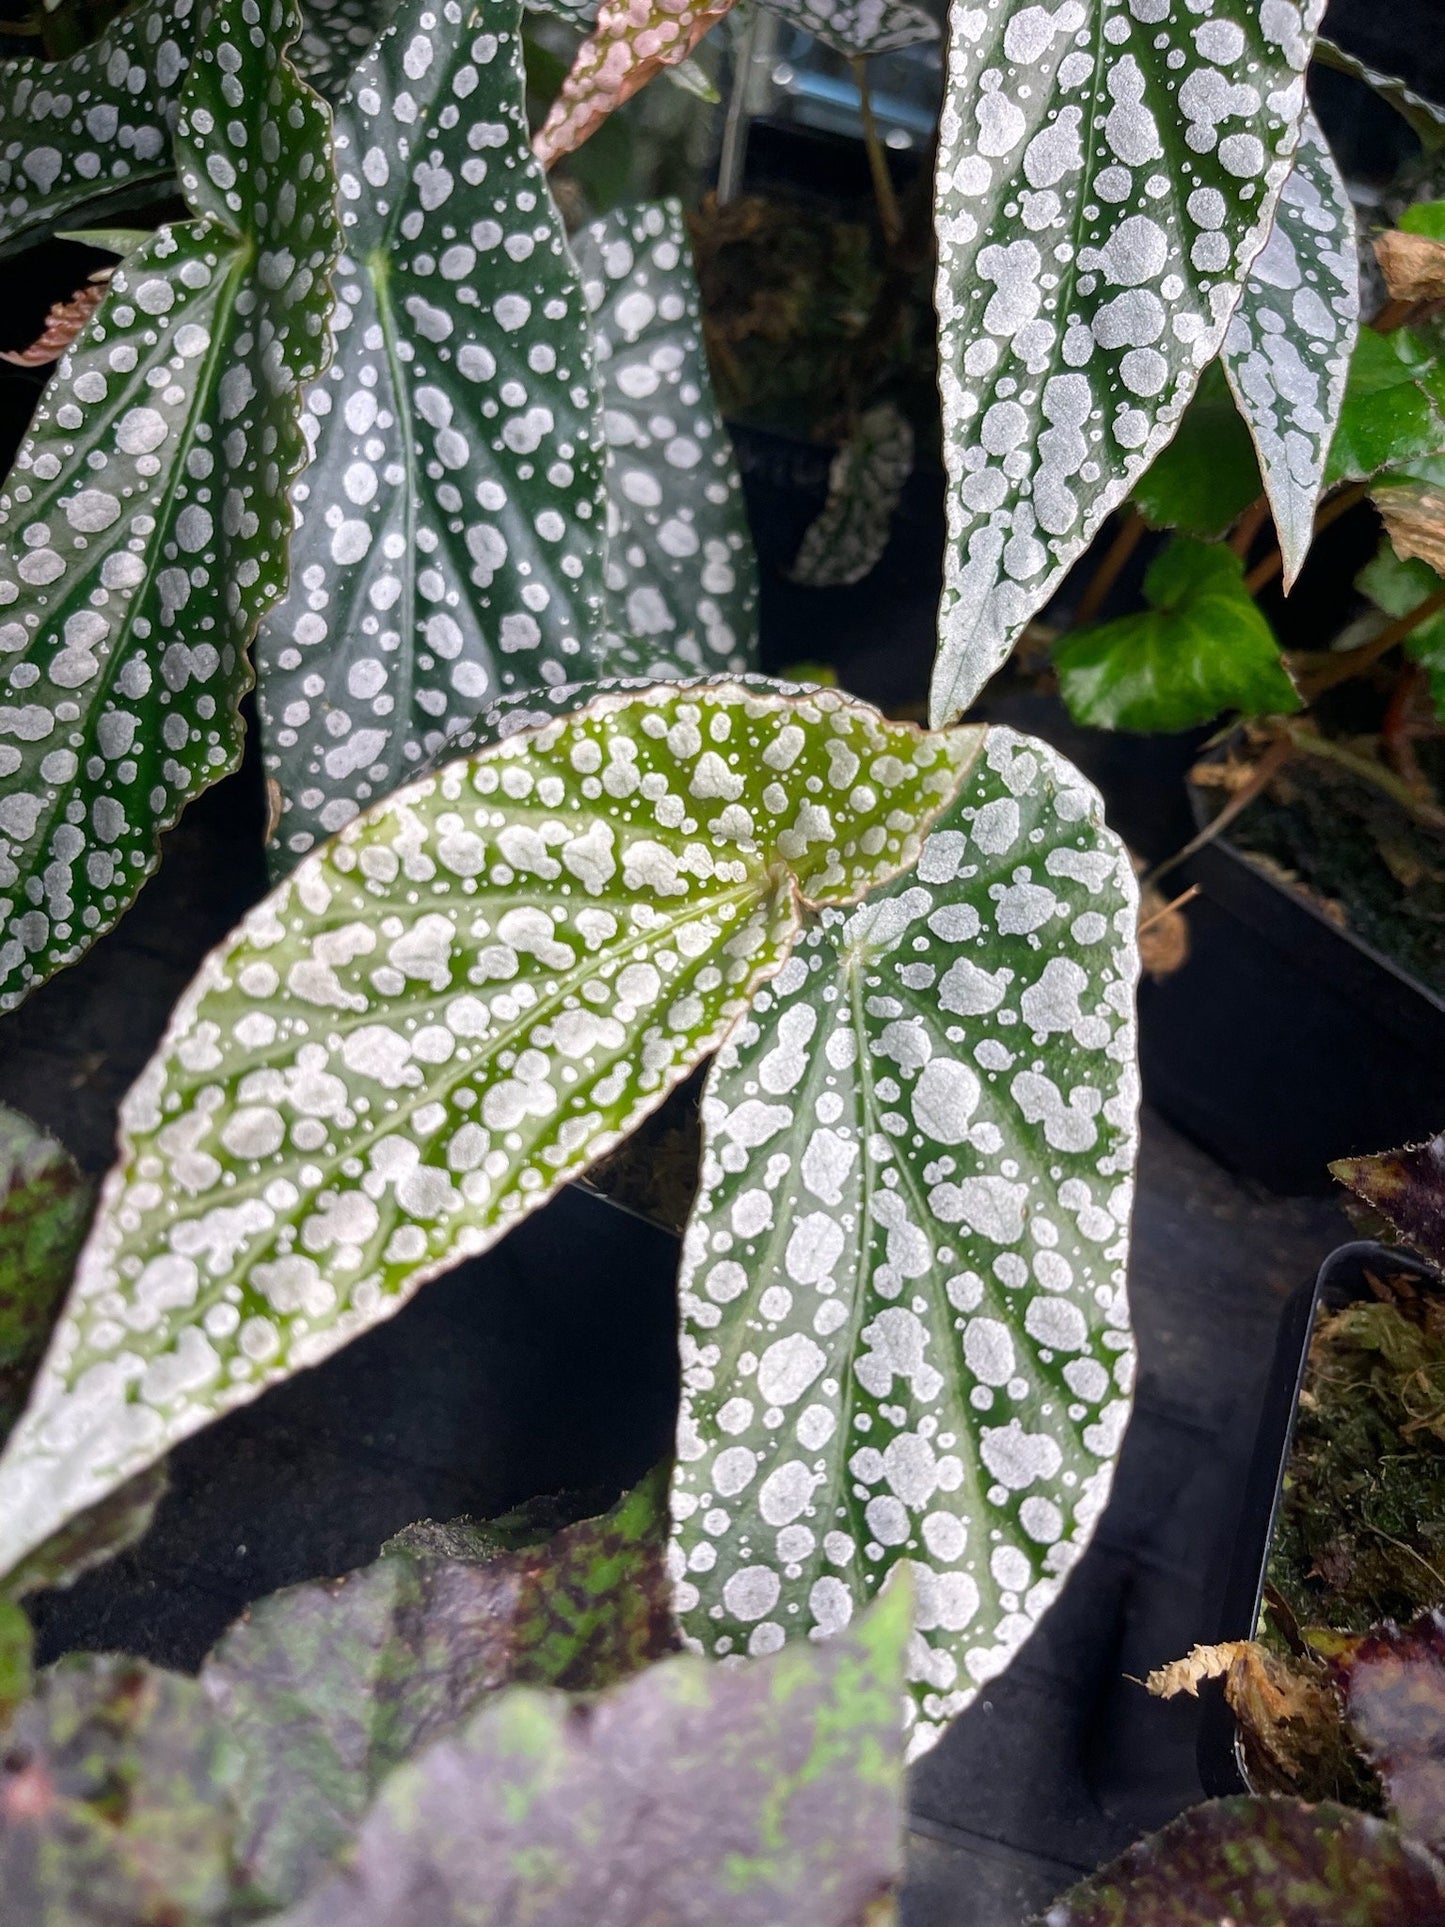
<point>906,1338</point>
<point>1107,175</point>
<point>1287,350</point>
<point>681,574</point>
<point>145,526</point>
<point>443,1015</point>
<point>450,519</point>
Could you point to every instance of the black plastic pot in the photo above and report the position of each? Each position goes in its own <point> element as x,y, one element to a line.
<point>1341,1281</point>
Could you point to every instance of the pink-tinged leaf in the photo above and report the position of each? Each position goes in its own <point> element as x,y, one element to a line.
<point>632,41</point>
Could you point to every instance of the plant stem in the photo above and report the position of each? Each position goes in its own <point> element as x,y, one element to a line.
<point>1185,896</point>
<point>735,127</point>
<point>1267,768</point>
<point>1110,568</point>
<point>1241,538</point>
<point>1369,770</point>
<point>889,218</point>
<point>1349,662</point>
<point>1340,504</point>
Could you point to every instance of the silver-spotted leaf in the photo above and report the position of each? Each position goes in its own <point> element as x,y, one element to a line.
<point>145,526</point>
<point>681,574</point>
<point>859,27</point>
<point>906,1337</point>
<point>450,520</point>
<point>44,1209</point>
<point>335,36</point>
<point>690,1795</point>
<point>443,1015</point>
<point>1107,174</point>
<point>864,486</point>
<point>1423,117</point>
<point>1287,351</point>
<point>96,127</point>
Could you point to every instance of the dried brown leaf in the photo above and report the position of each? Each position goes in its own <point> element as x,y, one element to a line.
<point>1414,518</point>
<point>1198,1664</point>
<point>1413,265</point>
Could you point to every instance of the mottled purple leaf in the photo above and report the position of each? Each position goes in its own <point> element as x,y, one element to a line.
<point>1393,1687</point>
<point>1408,1188</point>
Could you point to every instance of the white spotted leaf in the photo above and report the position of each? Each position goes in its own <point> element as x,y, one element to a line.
<point>450,520</point>
<point>859,27</point>
<point>145,525</point>
<point>681,573</point>
<point>1108,172</point>
<point>96,127</point>
<point>905,1332</point>
<point>865,483</point>
<point>443,1015</point>
<point>1287,351</point>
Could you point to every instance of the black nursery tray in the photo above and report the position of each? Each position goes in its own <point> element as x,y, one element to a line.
<point>1341,1281</point>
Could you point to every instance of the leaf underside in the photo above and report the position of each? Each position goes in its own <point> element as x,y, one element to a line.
<point>905,1331</point>
<point>1107,175</point>
<point>681,576</point>
<point>1287,351</point>
<point>446,1013</point>
<point>450,516</point>
<point>688,1795</point>
<point>146,523</point>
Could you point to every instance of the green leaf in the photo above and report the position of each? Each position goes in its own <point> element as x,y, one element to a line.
<point>1106,179</point>
<point>113,1801</point>
<point>145,527</point>
<point>1397,587</point>
<point>681,575</point>
<point>859,27</point>
<point>1200,648</point>
<point>441,1017</point>
<point>335,36</point>
<point>1257,1860</point>
<point>17,1644</point>
<point>629,44</point>
<point>449,521</point>
<point>1407,1187</point>
<point>1208,475</point>
<point>328,1687</point>
<point>44,1210</point>
<point>1423,117</point>
<point>692,1794</point>
<point>1426,218</point>
<point>864,486</point>
<point>1287,351</point>
<point>1394,406</point>
<point>114,240</point>
<point>906,1338</point>
<point>96,127</point>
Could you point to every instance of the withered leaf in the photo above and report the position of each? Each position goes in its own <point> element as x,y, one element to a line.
<point>1414,518</point>
<point>1393,1686</point>
<point>1412,264</point>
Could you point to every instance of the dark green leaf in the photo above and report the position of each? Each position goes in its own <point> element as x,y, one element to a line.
<point>1426,218</point>
<point>446,1013</point>
<point>1394,406</point>
<point>1287,351</point>
<point>864,486</point>
<point>681,575</point>
<point>146,524</point>
<point>1263,1863</point>
<point>1208,475</point>
<point>1107,176</point>
<point>16,1652</point>
<point>1200,648</point>
<point>695,1796</point>
<point>1424,118</point>
<point>1397,587</point>
<point>1407,1187</point>
<point>905,1332</point>
<point>450,521</point>
<point>113,1802</point>
<point>85,130</point>
<point>328,1687</point>
<point>44,1210</point>
<point>335,34</point>
<point>859,27</point>
<point>1393,1686</point>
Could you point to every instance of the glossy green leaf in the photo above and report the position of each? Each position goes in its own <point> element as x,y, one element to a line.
<point>631,42</point>
<point>450,518</point>
<point>906,1337</point>
<point>97,126</point>
<point>1208,475</point>
<point>1397,587</point>
<point>443,1015</point>
<point>44,1211</point>
<point>1273,1861</point>
<point>327,1687</point>
<point>693,1794</point>
<point>1201,647</point>
<point>1426,218</point>
<point>1107,176</point>
<point>1423,117</point>
<point>681,575</point>
<point>865,483</point>
<point>1394,406</point>
<point>114,1807</point>
<point>145,526</point>
<point>1287,351</point>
